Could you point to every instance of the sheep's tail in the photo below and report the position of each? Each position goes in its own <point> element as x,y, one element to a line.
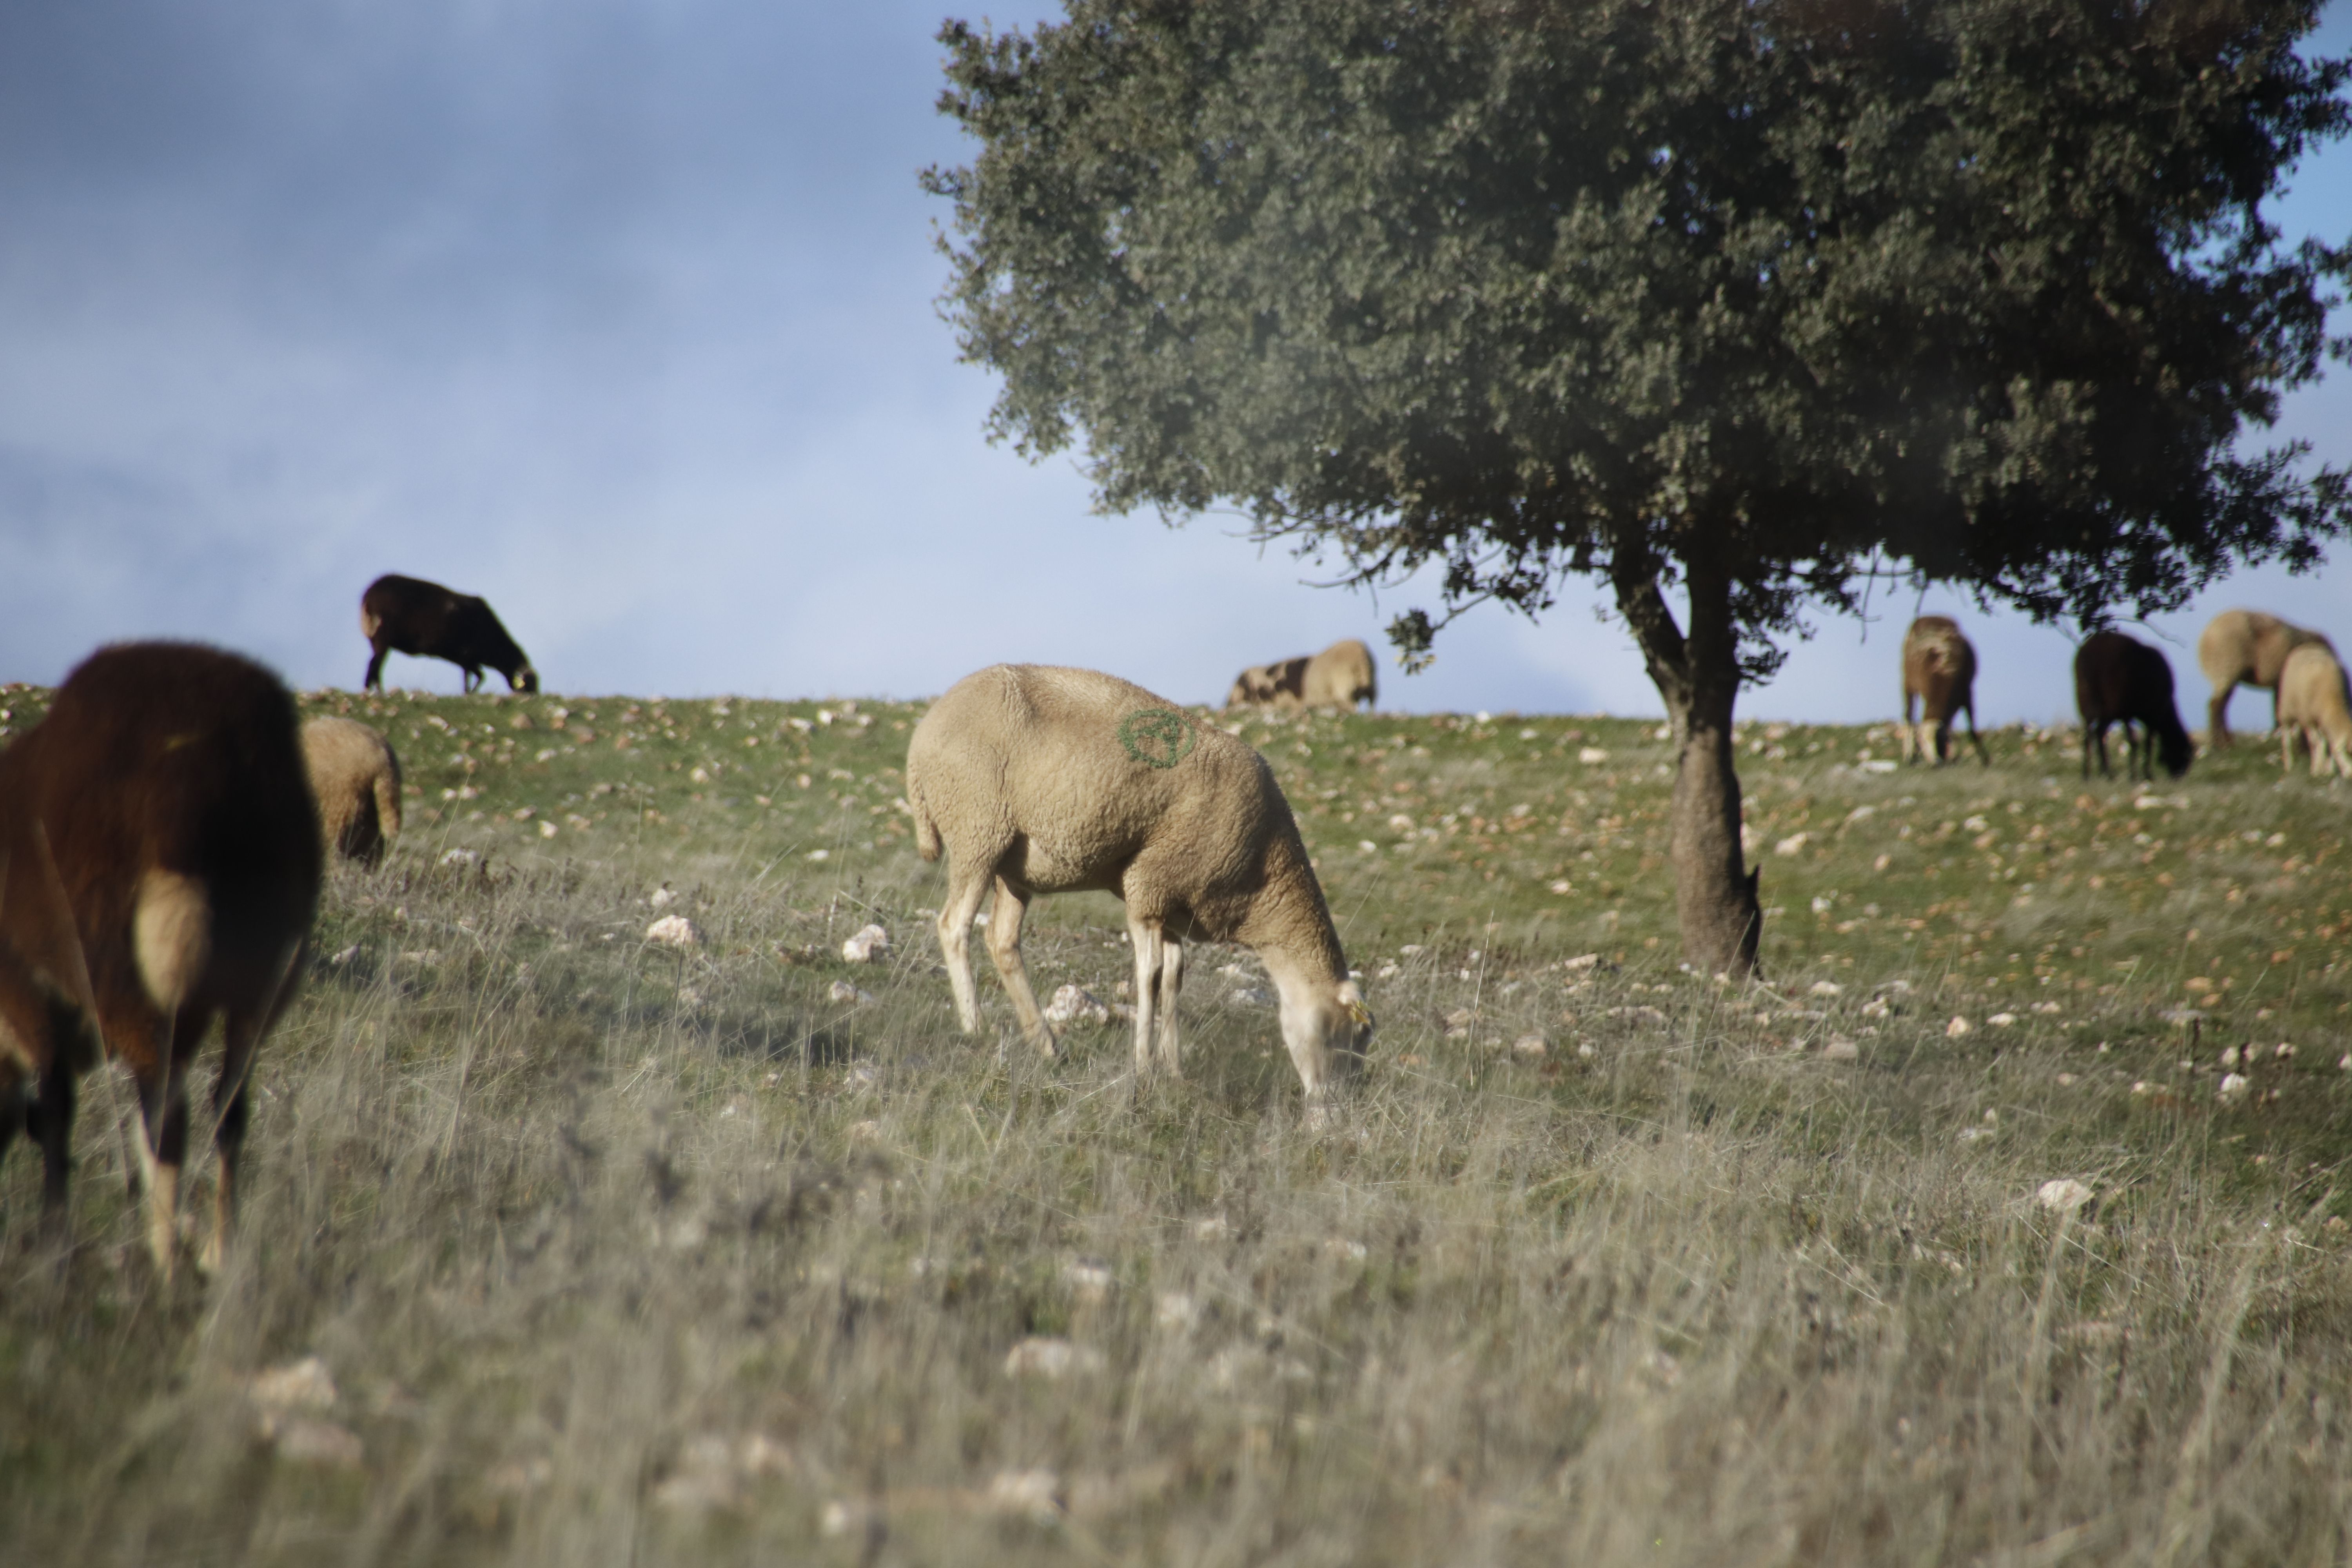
<point>926,831</point>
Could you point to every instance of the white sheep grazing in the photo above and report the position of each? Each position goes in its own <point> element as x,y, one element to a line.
<point>2312,707</point>
<point>1043,780</point>
<point>356,776</point>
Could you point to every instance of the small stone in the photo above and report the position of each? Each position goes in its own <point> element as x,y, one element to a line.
<point>1841,1049</point>
<point>1826,988</point>
<point>303,1384</point>
<point>843,990</point>
<point>2001,1020</point>
<point>870,945</point>
<point>1031,1494</point>
<point>1073,1005</point>
<point>2234,1087</point>
<point>1042,1356</point>
<point>2063,1196</point>
<point>1956,1027</point>
<point>1530,1046</point>
<point>674,931</point>
<point>305,1440</point>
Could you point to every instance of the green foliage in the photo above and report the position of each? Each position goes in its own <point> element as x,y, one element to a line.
<point>1795,290</point>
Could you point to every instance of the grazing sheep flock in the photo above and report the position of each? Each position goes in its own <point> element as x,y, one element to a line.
<point>1042,780</point>
<point>162,833</point>
<point>161,868</point>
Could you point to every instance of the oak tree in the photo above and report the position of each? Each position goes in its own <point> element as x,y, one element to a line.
<point>1732,305</point>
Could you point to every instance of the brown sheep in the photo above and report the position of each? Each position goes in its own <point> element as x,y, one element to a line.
<point>1339,677</point>
<point>2245,648</point>
<point>355,774</point>
<point>162,855</point>
<point>1939,674</point>
<point>2311,709</point>
<point>2119,679</point>
<point>410,615</point>
<point>1042,780</point>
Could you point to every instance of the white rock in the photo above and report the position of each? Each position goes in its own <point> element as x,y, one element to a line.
<point>305,1440</point>
<point>1175,1312</point>
<point>1826,988</point>
<point>661,898</point>
<point>1073,1005</point>
<point>1590,754</point>
<point>1530,1045</point>
<point>843,990</point>
<point>2063,1196</point>
<point>870,945</point>
<point>1841,1049</point>
<point>1089,1280</point>
<point>674,931</point>
<point>1039,1355</point>
<point>2234,1087</point>
<point>303,1384</point>
<point>1581,961</point>
<point>1793,845</point>
<point>460,857</point>
<point>2001,1020</point>
<point>1956,1027</point>
<point>1031,1494</point>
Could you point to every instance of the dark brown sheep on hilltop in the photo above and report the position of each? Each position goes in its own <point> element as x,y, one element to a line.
<point>159,866</point>
<point>2120,680</point>
<point>425,620</point>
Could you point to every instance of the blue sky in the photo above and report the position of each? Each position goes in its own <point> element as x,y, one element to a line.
<point>621,314</point>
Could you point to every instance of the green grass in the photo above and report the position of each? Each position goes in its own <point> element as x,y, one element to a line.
<point>618,1253</point>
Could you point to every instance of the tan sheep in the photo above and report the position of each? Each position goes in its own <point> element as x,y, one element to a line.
<point>2248,648</point>
<point>356,776</point>
<point>1042,780</point>
<point>1939,674</point>
<point>2312,709</point>
<point>1341,675</point>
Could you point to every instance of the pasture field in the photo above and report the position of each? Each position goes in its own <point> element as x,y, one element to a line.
<point>615,1252</point>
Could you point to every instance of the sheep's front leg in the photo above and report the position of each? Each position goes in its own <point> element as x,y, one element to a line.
<point>1151,948</point>
<point>964,893</point>
<point>1908,741</point>
<point>1004,947</point>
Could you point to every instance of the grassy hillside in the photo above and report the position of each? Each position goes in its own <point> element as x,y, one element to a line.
<point>614,1251</point>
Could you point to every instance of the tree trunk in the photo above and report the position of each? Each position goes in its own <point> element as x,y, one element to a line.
<point>1698,675</point>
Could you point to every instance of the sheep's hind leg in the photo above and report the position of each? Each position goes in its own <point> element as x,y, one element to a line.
<point>966,887</point>
<point>1171,980</point>
<point>1004,947</point>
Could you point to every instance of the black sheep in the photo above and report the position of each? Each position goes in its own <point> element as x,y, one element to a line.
<point>425,620</point>
<point>2119,679</point>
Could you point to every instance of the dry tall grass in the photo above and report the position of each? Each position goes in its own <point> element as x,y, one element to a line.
<point>615,1252</point>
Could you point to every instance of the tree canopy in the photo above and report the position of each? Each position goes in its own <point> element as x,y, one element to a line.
<point>1751,299</point>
